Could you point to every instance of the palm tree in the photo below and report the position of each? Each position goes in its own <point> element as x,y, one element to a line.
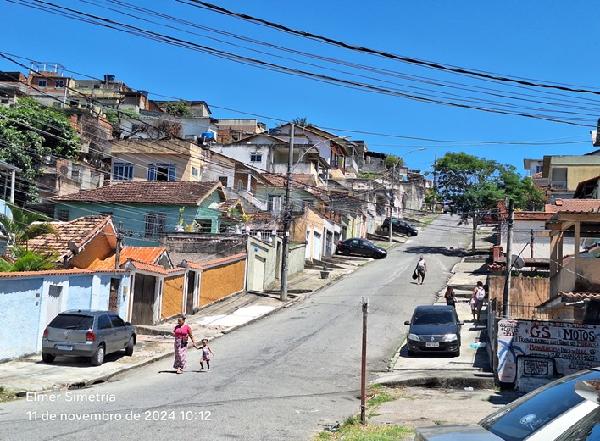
<point>24,226</point>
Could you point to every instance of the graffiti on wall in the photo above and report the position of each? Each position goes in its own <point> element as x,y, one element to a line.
<point>572,347</point>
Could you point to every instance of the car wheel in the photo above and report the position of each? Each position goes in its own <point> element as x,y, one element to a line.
<point>98,357</point>
<point>129,347</point>
<point>48,358</point>
<point>411,353</point>
<point>456,354</point>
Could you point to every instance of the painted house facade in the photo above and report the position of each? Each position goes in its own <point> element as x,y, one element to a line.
<point>144,211</point>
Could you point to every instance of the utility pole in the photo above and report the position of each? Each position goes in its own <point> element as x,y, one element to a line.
<point>474,239</point>
<point>509,238</point>
<point>391,226</point>
<point>531,243</point>
<point>287,217</point>
<point>363,364</point>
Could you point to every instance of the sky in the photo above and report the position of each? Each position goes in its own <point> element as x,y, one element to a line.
<point>548,41</point>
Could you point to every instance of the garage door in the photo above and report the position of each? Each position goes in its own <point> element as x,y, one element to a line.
<point>143,300</point>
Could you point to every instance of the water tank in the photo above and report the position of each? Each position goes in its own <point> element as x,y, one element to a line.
<point>208,136</point>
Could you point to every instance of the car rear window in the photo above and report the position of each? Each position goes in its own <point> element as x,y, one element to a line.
<point>72,321</point>
<point>525,416</point>
<point>432,317</point>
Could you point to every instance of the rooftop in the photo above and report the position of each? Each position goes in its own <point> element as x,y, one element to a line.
<point>143,192</point>
<point>141,254</point>
<point>574,205</point>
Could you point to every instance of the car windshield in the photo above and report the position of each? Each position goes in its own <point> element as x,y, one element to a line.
<point>586,429</point>
<point>432,317</point>
<point>72,321</point>
<point>528,414</point>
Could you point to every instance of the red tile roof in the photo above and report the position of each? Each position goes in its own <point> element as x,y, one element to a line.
<point>148,267</point>
<point>139,254</point>
<point>143,192</point>
<point>579,296</point>
<point>55,272</point>
<point>574,205</point>
<point>296,182</point>
<point>77,232</point>
<point>532,215</point>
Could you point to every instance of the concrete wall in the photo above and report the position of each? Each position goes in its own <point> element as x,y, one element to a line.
<point>263,268</point>
<point>99,248</point>
<point>172,297</point>
<point>581,274</point>
<point>525,294</point>
<point>222,281</point>
<point>296,258</point>
<point>304,229</point>
<point>541,240</point>
<point>20,303</point>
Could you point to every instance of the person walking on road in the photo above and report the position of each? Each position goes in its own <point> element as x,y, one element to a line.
<point>207,354</point>
<point>182,333</point>
<point>421,269</point>
<point>477,300</point>
<point>449,296</point>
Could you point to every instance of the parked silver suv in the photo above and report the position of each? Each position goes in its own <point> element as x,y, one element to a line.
<point>87,333</point>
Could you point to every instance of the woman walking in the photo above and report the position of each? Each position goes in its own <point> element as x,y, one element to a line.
<point>449,296</point>
<point>181,332</point>
<point>477,300</point>
<point>420,270</point>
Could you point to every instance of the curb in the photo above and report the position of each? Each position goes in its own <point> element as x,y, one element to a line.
<point>445,382</point>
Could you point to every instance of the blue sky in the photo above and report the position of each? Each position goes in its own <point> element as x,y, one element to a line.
<point>550,41</point>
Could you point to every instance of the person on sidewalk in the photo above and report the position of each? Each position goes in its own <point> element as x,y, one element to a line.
<point>182,333</point>
<point>207,354</point>
<point>449,296</point>
<point>477,300</point>
<point>421,269</point>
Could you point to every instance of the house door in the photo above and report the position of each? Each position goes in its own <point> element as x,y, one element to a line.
<point>307,249</point>
<point>328,242</point>
<point>278,262</point>
<point>143,300</point>
<point>189,299</point>
<point>258,274</point>
<point>53,302</point>
<point>113,297</point>
<point>317,245</point>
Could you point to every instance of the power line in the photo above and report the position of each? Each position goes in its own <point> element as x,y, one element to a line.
<point>411,60</point>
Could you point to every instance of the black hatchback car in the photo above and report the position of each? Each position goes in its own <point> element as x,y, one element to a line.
<point>360,247</point>
<point>399,226</point>
<point>434,328</point>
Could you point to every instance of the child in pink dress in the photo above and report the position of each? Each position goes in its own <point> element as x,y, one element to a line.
<point>207,354</point>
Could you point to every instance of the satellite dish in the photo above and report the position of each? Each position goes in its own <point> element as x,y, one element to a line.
<point>518,262</point>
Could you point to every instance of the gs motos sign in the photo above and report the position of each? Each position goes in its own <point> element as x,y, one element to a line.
<point>572,347</point>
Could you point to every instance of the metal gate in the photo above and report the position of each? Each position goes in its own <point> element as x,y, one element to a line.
<point>143,300</point>
<point>189,299</point>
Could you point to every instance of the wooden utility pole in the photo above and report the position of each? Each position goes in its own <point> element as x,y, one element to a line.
<point>287,218</point>
<point>363,364</point>
<point>474,239</point>
<point>531,243</point>
<point>509,238</point>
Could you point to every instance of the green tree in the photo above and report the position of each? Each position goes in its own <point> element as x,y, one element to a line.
<point>27,260</point>
<point>478,183</point>
<point>24,226</point>
<point>393,160</point>
<point>178,108</point>
<point>29,134</point>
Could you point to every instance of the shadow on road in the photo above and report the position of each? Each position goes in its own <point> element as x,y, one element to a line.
<point>82,362</point>
<point>404,354</point>
<point>452,252</point>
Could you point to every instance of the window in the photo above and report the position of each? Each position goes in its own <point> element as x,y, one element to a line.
<point>241,186</point>
<point>274,204</point>
<point>63,214</point>
<point>117,321</point>
<point>75,175</point>
<point>194,172</point>
<point>42,83</point>
<point>75,322</point>
<point>256,157</point>
<point>538,168</point>
<point>223,180</point>
<point>161,172</point>
<point>204,225</point>
<point>155,225</point>
<point>122,171</point>
<point>104,322</point>
<point>60,83</point>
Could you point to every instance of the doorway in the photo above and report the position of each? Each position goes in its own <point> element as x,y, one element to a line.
<point>143,300</point>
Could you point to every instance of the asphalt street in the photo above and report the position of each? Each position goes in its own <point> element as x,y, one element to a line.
<point>280,378</point>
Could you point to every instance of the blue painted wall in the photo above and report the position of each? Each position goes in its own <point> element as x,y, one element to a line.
<point>20,303</point>
<point>130,220</point>
<point>80,292</point>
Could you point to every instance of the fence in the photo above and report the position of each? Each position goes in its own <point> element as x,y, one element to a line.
<point>525,294</point>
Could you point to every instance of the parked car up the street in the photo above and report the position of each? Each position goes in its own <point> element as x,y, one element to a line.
<point>399,226</point>
<point>360,247</point>
<point>87,333</point>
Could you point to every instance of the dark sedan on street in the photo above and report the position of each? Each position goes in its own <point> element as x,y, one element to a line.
<point>399,226</point>
<point>360,247</point>
<point>434,328</point>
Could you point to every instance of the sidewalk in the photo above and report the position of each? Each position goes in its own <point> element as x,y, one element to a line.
<point>471,368</point>
<point>155,342</point>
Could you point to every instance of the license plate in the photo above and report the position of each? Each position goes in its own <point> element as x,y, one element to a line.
<point>64,348</point>
<point>432,344</point>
